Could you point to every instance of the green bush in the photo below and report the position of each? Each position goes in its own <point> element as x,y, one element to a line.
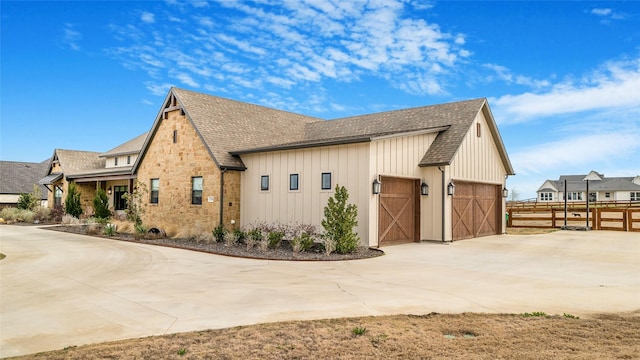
<point>136,201</point>
<point>101,205</point>
<point>339,221</point>
<point>72,204</point>
<point>219,232</point>
<point>30,201</point>
<point>275,238</point>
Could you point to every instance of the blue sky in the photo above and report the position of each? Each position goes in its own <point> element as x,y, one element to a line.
<point>562,78</point>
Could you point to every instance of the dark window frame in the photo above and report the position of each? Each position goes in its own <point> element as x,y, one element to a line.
<point>196,195</point>
<point>294,186</point>
<point>322,181</point>
<point>120,203</point>
<point>154,194</point>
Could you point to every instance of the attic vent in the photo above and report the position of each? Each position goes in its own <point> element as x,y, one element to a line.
<point>478,129</point>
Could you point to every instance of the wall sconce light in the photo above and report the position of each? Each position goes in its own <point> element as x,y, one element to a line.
<point>109,190</point>
<point>376,186</point>
<point>505,192</point>
<point>424,188</point>
<point>451,188</point>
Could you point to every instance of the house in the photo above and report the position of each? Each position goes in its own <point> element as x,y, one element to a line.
<point>428,173</point>
<point>601,188</point>
<point>18,178</point>
<point>110,171</point>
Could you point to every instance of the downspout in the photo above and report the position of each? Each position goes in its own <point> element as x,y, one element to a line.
<point>444,198</point>
<point>222,171</point>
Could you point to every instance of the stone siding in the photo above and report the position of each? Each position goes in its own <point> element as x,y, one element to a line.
<point>174,164</point>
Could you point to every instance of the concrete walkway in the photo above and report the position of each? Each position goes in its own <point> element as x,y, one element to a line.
<point>59,289</point>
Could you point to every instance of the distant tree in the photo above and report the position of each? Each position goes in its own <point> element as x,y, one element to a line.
<point>514,195</point>
<point>72,204</point>
<point>101,205</point>
<point>31,200</point>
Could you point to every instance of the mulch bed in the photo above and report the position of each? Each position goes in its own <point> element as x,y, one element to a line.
<point>283,252</point>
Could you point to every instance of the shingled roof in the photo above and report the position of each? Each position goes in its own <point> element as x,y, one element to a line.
<point>229,128</point>
<point>132,146</point>
<point>77,162</point>
<point>225,124</point>
<point>19,177</point>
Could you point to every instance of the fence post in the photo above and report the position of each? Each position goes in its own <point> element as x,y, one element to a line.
<point>510,219</point>
<point>625,221</point>
<point>553,218</point>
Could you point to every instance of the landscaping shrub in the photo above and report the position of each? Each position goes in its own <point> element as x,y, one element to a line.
<point>17,215</point>
<point>72,204</point>
<point>41,214</point>
<point>275,239</point>
<point>231,238</point>
<point>31,200</point>
<point>136,202</point>
<point>101,205</point>
<point>339,221</point>
<point>218,233</point>
<point>69,220</point>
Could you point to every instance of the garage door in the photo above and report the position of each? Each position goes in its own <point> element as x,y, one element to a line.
<point>399,213</point>
<point>476,210</point>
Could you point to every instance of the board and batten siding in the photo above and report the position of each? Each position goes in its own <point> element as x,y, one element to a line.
<point>477,160</point>
<point>348,165</point>
<point>399,157</point>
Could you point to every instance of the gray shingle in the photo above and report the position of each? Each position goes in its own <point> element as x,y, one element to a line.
<point>19,177</point>
<point>132,146</point>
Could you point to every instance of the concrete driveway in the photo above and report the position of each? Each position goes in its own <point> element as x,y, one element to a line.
<point>59,289</point>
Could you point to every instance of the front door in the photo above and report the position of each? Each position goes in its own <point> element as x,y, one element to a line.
<point>399,212</point>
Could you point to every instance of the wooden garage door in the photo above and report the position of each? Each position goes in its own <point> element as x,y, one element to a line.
<point>476,210</point>
<point>399,214</point>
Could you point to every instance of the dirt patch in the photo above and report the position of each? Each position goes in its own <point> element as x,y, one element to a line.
<point>434,336</point>
<point>282,252</point>
<point>529,231</point>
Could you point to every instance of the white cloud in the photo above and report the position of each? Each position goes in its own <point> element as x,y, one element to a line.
<point>601,11</point>
<point>586,151</point>
<point>147,17</point>
<point>158,89</point>
<point>614,85</point>
<point>186,79</point>
<point>71,37</point>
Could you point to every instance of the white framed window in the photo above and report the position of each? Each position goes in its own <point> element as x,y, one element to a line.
<point>607,195</point>
<point>635,196</point>
<point>546,196</point>
<point>325,181</point>
<point>264,183</point>
<point>575,196</point>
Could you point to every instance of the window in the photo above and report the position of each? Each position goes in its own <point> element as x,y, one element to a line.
<point>607,195</point>
<point>175,136</point>
<point>293,182</point>
<point>115,161</point>
<point>635,196</point>
<point>326,181</point>
<point>264,183</point>
<point>57,197</point>
<point>576,196</point>
<point>119,202</point>
<point>155,190</point>
<point>128,159</point>
<point>546,196</point>
<point>196,190</point>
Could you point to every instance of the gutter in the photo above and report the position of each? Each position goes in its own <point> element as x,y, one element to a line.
<point>222,171</point>
<point>444,198</point>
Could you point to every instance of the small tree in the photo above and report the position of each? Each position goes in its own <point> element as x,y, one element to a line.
<point>72,204</point>
<point>101,205</point>
<point>30,201</point>
<point>339,221</point>
<point>135,202</point>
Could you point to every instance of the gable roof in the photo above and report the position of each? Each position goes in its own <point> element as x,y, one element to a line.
<point>451,120</point>
<point>19,177</point>
<point>224,124</point>
<point>578,183</point>
<point>76,161</point>
<point>229,128</point>
<point>132,146</point>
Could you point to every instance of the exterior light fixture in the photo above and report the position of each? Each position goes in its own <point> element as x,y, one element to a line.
<point>505,192</point>
<point>109,190</point>
<point>451,188</point>
<point>424,188</point>
<point>376,186</point>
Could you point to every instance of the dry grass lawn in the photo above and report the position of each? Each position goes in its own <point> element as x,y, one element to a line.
<point>529,231</point>
<point>434,336</point>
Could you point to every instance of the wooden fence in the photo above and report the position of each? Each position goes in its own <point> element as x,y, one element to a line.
<point>600,218</point>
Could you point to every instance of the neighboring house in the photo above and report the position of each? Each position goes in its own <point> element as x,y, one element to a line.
<point>601,188</point>
<point>19,177</point>
<point>110,171</point>
<point>210,161</point>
